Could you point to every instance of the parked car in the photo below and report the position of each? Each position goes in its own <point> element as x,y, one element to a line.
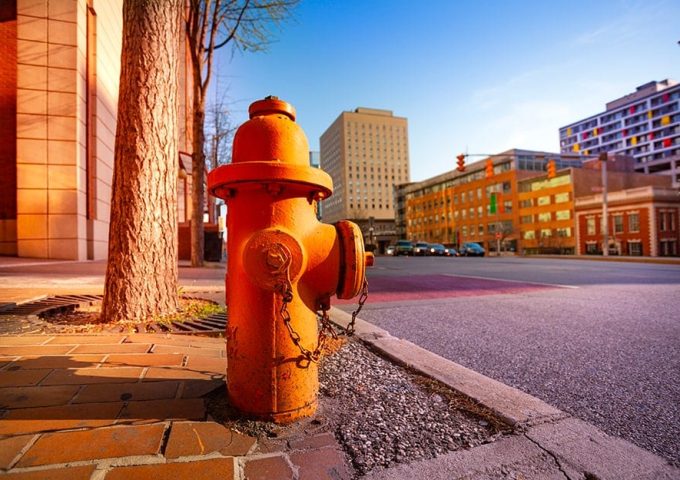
<point>472,249</point>
<point>453,252</point>
<point>439,250</point>
<point>389,250</point>
<point>403,247</point>
<point>421,249</point>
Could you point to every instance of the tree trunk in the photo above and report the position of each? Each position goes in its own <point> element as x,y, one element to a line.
<point>197,174</point>
<point>141,274</point>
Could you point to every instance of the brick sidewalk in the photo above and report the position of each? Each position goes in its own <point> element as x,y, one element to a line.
<point>129,407</point>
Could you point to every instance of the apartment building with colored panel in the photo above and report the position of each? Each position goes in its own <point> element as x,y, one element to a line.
<point>547,206</point>
<point>59,95</point>
<point>644,124</point>
<point>642,221</point>
<point>469,206</point>
<point>366,154</point>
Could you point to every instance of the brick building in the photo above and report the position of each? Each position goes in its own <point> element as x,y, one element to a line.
<point>58,108</point>
<point>641,221</point>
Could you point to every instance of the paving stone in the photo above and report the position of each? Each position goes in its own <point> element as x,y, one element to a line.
<point>321,440</point>
<point>41,350</point>
<point>268,468</point>
<point>204,351</point>
<point>321,464</point>
<point>10,448</point>
<point>207,364</point>
<point>178,373</point>
<point>159,410</point>
<point>107,392</point>
<point>194,438</point>
<point>198,388</point>
<point>73,473</point>
<point>109,442</point>
<point>86,376</point>
<point>22,378</point>
<point>60,361</point>
<point>27,397</point>
<point>26,340</point>
<point>86,339</point>
<point>144,360</point>
<point>121,348</point>
<point>217,468</point>
<point>31,420</point>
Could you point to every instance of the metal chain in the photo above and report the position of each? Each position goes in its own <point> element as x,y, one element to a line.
<point>285,290</point>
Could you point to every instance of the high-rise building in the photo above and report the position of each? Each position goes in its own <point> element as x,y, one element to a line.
<point>644,124</point>
<point>366,154</point>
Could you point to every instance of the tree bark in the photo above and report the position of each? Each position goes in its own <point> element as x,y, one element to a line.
<point>197,177</point>
<point>141,274</point>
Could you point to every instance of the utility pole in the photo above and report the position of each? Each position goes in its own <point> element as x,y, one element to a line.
<point>605,214</point>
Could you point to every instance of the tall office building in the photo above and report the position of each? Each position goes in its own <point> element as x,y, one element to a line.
<point>644,124</point>
<point>366,154</point>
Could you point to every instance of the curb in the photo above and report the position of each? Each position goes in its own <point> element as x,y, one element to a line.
<point>578,449</point>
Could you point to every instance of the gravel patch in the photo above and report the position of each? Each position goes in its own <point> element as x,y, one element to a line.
<point>380,413</point>
<point>383,415</point>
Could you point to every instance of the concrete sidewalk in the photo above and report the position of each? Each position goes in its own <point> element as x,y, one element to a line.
<point>128,406</point>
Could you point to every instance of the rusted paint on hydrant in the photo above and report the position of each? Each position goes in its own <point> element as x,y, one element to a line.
<point>283,264</point>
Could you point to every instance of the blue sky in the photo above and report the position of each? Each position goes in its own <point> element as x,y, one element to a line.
<point>476,76</point>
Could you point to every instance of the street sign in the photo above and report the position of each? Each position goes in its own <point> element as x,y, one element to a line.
<point>498,235</point>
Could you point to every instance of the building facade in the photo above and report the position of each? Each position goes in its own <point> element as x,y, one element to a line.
<point>641,221</point>
<point>547,206</point>
<point>59,96</point>
<point>366,154</point>
<point>472,206</point>
<point>644,124</point>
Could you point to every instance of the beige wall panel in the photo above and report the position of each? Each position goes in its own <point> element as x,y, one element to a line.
<point>31,77</point>
<point>62,176</point>
<point>61,128</point>
<point>31,176</point>
<point>31,126</point>
<point>32,248</point>
<point>62,202</point>
<point>31,201</point>
<point>64,249</point>
<point>31,226</point>
<point>35,8</point>
<point>32,101</point>
<point>61,152</point>
<point>31,28</point>
<point>62,104</point>
<point>62,226</point>
<point>61,80</point>
<point>31,151</point>
<point>65,10</point>
<point>31,53</point>
<point>63,56</point>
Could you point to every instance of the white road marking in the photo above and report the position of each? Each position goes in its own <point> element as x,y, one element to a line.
<point>514,281</point>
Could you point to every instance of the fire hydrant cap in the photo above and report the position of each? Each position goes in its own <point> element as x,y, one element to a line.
<point>271,105</point>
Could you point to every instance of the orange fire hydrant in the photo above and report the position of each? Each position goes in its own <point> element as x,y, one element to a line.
<point>283,265</point>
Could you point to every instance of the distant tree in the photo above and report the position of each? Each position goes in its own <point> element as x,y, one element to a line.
<point>141,274</point>
<point>211,25</point>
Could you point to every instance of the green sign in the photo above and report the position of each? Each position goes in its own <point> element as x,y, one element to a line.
<point>492,203</point>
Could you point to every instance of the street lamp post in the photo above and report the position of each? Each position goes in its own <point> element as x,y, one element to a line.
<point>605,213</point>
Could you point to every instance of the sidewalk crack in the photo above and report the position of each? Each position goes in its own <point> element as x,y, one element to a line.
<point>552,455</point>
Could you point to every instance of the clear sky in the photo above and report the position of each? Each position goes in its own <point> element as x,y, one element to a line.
<point>477,76</point>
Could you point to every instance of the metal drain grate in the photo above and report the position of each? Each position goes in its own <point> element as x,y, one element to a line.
<point>215,323</point>
<point>60,303</point>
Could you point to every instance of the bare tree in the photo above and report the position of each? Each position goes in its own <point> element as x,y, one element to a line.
<point>141,274</point>
<point>211,25</point>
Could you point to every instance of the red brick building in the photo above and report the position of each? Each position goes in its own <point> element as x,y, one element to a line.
<point>642,221</point>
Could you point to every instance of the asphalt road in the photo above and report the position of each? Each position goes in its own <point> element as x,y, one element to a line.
<point>599,340</point>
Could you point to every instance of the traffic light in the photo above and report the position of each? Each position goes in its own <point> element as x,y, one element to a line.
<point>461,162</point>
<point>552,169</point>
<point>489,168</point>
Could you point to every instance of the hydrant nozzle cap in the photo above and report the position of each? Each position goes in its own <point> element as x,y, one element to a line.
<point>270,106</point>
